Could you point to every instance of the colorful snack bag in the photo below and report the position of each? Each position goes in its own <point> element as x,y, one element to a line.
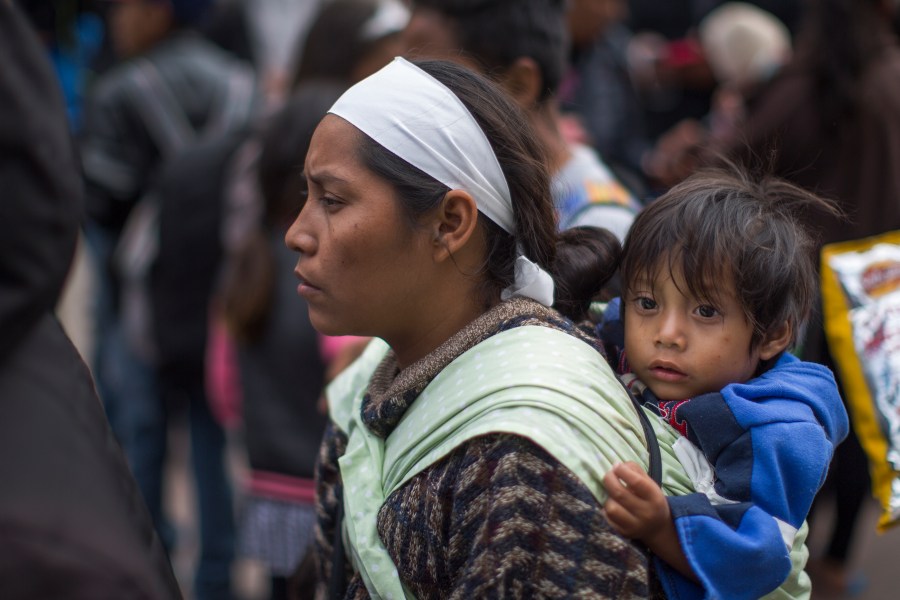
<point>861,306</point>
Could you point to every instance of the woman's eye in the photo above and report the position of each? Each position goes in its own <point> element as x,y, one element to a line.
<point>707,312</point>
<point>329,201</point>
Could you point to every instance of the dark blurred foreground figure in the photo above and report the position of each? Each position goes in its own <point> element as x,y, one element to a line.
<point>72,521</point>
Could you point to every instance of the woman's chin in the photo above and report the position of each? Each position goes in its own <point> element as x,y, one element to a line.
<point>328,325</point>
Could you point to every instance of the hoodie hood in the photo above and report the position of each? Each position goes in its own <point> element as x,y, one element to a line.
<point>40,184</point>
<point>797,387</point>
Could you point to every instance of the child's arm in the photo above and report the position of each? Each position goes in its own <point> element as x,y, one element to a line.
<point>638,509</point>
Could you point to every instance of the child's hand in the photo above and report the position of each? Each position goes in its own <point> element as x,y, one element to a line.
<point>636,506</point>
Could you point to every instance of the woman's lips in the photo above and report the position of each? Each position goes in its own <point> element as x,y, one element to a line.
<point>305,288</point>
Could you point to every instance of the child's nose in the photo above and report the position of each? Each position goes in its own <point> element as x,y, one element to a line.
<point>671,332</point>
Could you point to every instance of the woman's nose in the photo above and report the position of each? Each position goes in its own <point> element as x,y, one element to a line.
<point>299,236</point>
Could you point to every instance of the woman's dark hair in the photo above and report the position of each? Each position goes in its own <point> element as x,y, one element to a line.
<point>523,163</point>
<point>719,225</point>
<point>584,256</point>
<point>249,277</point>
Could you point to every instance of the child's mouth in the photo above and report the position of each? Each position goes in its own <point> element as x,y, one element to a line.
<point>666,373</point>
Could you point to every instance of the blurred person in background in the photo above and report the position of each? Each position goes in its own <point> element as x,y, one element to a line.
<point>666,62</point>
<point>597,91</point>
<point>74,34</point>
<point>280,368</point>
<point>266,365</point>
<point>370,32</point>
<point>745,48</point>
<point>830,121</point>
<point>522,45</point>
<point>673,74</point>
<point>73,523</point>
<point>171,88</point>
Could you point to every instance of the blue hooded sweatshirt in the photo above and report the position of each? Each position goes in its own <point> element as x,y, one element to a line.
<point>769,442</point>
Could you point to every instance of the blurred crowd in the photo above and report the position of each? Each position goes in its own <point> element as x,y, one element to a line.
<point>191,119</point>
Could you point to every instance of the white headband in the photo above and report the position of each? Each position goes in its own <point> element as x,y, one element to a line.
<point>413,115</point>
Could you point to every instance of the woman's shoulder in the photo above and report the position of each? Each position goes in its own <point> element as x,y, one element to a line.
<point>504,496</point>
<point>533,383</point>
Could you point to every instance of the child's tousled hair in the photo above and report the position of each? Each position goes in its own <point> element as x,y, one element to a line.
<point>722,223</point>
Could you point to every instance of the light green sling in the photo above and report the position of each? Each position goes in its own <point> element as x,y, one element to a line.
<point>535,382</point>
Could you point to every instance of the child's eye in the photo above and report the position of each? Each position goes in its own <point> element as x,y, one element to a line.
<point>645,303</point>
<point>707,312</point>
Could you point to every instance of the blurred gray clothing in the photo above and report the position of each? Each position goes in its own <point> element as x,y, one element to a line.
<point>599,89</point>
<point>129,124</point>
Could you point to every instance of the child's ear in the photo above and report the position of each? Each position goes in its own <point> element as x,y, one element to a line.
<point>775,341</point>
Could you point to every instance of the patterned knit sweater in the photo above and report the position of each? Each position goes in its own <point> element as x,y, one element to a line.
<point>497,518</point>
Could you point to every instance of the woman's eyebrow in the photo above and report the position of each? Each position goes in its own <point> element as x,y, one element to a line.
<point>322,177</point>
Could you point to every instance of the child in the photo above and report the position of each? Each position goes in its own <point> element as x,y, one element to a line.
<point>718,277</point>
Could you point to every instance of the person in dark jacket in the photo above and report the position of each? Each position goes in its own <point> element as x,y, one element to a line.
<point>72,521</point>
<point>146,121</point>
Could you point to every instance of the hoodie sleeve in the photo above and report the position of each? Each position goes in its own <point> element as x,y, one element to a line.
<point>40,206</point>
<point>769,443</point>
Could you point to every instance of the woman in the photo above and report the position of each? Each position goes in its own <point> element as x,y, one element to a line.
<point>466,449</point>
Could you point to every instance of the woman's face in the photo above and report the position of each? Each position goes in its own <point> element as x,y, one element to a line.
<point>363,269</point>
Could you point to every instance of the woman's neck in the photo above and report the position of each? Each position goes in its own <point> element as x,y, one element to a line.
<point>444,322</point>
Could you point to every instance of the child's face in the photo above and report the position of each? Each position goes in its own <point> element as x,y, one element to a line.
<point>681,346</point>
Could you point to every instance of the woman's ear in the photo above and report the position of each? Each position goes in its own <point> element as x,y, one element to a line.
<point>775,341</point>
<point>454,223</point>
<point>524,81</point>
